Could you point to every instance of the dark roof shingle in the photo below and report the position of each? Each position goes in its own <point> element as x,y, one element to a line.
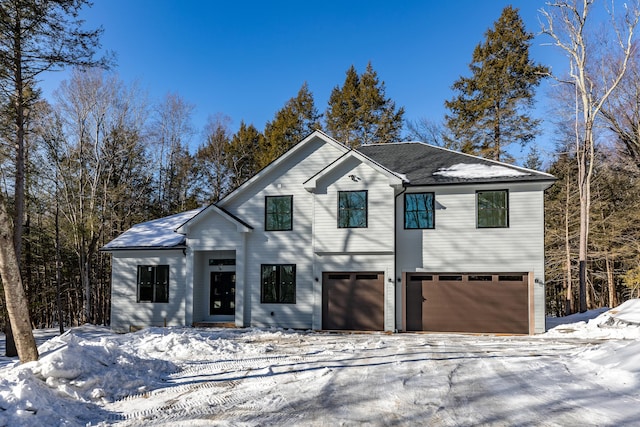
<point>424,164</point>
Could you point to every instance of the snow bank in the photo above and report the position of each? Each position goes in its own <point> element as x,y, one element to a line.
<point>71,372</point>
<point>614,363</point>
<point>622,322</point>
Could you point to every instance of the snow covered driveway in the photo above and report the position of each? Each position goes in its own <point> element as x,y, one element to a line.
<point>408,379</point>
<point>579,374</point>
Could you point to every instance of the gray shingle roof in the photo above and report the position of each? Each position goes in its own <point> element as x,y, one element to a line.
<point>424,164</point>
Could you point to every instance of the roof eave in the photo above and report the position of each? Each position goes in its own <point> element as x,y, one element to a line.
<point>142,248</point>
<point>549,182</point>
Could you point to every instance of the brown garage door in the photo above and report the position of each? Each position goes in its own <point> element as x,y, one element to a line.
<point>353,301</point>
<point>494,303</point>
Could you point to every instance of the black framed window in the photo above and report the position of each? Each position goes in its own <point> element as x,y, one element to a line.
<point>278,284</point>
<point>352,209</point>
<point>278,213</point>
<point>153,283</point>
<point>493,209</point>
<point>419,210</point>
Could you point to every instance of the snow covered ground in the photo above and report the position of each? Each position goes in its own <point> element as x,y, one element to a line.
<point>585,372</point>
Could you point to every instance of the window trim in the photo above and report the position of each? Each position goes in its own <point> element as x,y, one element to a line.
<point>433,211</point>
<point>266,212</point>
<point>154,298</point>
<point>366,209</point>
<point>506,208</point>
<point>279,291</point>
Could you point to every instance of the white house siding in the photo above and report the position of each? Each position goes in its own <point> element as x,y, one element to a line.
<point>354,249</point>
<point>213,232</point>
<point>378,236</point>
<point>282,247</point>
<point>126,313</point>
<point>457,245</point>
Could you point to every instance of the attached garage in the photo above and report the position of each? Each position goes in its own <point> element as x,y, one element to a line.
<point>481,302</point>
<point>353,301</point>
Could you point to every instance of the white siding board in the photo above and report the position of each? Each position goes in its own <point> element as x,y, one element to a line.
<point>378,236</point>
<point>125,311</point>
<point>213,233</point>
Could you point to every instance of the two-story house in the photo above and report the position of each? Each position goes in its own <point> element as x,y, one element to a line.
<point>402,236</point>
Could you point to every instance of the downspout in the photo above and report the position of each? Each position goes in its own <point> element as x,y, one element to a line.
<point>314,283</point>
<point>395,256</point>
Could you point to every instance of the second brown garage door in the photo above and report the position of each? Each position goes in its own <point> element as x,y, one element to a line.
<point>492,303</point>
<point>353,301</point>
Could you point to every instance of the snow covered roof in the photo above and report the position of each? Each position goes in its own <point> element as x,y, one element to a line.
<point>424,164</point>
<point>475,171</point>
<point>158,233</point>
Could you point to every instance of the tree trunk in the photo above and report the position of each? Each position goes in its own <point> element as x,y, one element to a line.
<point>58,270</point>
<point>569,308</point>
<point>10,343</point>
<point>611,283</point>
<point>15,298</point>
<point>586,157</point>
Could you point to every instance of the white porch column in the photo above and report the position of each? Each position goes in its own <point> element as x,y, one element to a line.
<point>188,297</point>
<point>243,293</point>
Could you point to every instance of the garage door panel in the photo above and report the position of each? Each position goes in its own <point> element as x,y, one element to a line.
<point>469,303</point>
<point>353,301</point>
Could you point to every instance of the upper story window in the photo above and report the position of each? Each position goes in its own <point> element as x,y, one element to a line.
<point>278,283</point>
<point>352,209</point>
<point>278,213</point>
<point>419,210</point>
<point>492,209</point>
<point>153,283</point>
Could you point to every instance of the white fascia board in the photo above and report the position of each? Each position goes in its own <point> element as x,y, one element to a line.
<point>395,180</point>
<point>240,227</point>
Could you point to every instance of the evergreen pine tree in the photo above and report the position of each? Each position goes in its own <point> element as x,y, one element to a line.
<point>534,160</point>
<point>359,113</point>
<point>489,110</point>
<point>298,118</point>
<point>242,160</point>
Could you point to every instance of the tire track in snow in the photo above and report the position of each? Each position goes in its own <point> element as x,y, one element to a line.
<point>236,365</point>
<point>174,409</point>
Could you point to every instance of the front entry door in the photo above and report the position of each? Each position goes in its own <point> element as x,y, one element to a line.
<point>222,299</point>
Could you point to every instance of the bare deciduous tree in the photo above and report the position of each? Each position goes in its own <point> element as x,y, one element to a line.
<point>35,36</point>
<point>170,134</point>
<point>96,129</point>
<point>568,25</point>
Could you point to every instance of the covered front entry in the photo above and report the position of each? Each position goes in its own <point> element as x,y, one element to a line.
<point>222,295</point>
<point>482,302</point>
<point>353,301</point>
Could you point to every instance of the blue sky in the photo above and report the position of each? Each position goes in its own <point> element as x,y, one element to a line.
<point>245,59</point>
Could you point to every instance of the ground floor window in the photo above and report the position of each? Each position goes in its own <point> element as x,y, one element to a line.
<point>278,283</point>
<point>153,283</point>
